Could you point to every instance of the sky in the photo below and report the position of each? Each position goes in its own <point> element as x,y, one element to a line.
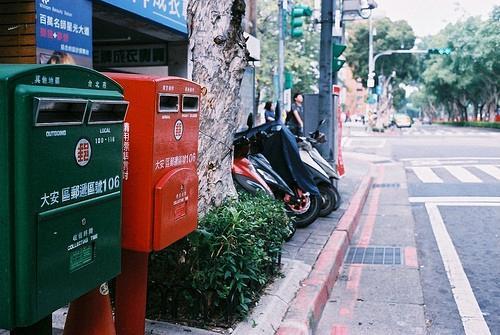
<point>427,17</point>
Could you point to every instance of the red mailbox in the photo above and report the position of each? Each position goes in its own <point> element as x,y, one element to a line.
<point>160,183</point>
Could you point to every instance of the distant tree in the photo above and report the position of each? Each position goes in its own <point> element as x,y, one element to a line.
<point>391,35</point>
<point>399,98</point>
<point>469,78</point>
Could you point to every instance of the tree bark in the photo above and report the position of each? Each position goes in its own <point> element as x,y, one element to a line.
<point>219,56</point>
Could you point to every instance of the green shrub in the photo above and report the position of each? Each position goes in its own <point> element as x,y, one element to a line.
<point>218,271</point>
<point>493,125</point>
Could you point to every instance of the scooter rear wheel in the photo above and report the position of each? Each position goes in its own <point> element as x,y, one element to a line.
<point>330,199</point>
<point>310,211</point>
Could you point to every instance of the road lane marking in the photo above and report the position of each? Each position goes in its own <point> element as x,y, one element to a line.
<point>365,143</point>
<point>426,175</point>
<point>462,174</point>
<point>470,313</point>
<point>490,169</point>
<point>448,158</point>
<point>470,204</point>
<point>454,200</point>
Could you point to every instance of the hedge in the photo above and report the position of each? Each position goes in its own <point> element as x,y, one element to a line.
<point>494,125</point>
<point>219,271</point>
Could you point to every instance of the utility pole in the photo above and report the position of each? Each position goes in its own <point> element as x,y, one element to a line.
<point>281,58</point>
<point>325,77</point>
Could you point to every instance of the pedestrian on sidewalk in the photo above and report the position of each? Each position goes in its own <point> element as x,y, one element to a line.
<point>269,113</point>
<point>295,115</point>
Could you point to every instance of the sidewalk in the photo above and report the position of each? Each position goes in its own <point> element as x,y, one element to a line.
<point>379,290</point>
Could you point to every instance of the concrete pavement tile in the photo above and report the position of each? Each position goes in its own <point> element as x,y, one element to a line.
<point>300,235</point>
<point>389,230</point>
<point>379,283</point>
<point>266,316</point>
<point>394,234</point>
<point>310,260</point>
<point>317,239</point>
<point>392,196</point>
<point>372,318</point>
<point>402,210</point>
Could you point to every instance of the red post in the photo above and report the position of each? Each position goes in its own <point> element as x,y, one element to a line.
<point>91,314</point>
<point>131,293</point>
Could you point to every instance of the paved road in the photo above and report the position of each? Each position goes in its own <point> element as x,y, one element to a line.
<point>450,179</point>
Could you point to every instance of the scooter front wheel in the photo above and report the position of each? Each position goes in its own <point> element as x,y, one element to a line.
<point>306,211</point>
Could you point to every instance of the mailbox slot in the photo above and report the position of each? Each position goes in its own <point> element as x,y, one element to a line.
<point>107,111</point>
<point>168,103</point>
<point>55,111</point>
<point>190,103</point>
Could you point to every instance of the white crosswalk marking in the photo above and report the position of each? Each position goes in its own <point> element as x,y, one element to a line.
<point>463,169</point>
<point>426,175</point>
<point>462,174</point>
<point>490,169</point>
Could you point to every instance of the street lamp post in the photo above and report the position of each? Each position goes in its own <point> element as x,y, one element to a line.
<point>372,62</point>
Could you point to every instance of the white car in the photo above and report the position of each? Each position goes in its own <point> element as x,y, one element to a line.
<point>402,120</point>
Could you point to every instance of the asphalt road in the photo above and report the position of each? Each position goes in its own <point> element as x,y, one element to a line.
<point>467,165</point>
<point>453,187</point>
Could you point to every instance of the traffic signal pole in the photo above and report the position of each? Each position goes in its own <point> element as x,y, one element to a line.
<point>326,111</point>
<point>281,58</point>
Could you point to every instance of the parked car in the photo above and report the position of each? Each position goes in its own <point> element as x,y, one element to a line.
<point>402,120</point>
<point>426,120</point>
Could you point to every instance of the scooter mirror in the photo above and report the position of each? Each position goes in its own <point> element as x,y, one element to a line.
<point>250,121</point>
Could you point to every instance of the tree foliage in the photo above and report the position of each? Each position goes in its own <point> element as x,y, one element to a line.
<point>301,58</point>
<point>390,35</point>
<point>467,79</point>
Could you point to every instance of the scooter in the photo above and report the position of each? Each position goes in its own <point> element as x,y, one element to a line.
<point>274,150</point>
<point>299,204</point>
<point>244,174</point>
<point>302,204</point>
<point>323,173</point>
<point>329,194</point>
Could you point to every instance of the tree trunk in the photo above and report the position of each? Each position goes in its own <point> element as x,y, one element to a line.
<point>219,55</point>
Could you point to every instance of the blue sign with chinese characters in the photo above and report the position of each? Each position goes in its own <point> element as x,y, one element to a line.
<point>169,13</point>
<point>64,31</point>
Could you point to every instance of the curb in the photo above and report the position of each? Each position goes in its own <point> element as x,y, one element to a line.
<point>305,310</point>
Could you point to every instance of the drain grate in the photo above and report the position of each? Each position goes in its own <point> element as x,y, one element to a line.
<point>393,185</point>
<point>374,255</point>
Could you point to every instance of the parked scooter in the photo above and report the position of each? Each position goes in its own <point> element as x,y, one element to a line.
<point>303,205</point>
<point>323,172</point>
<point>323,179</point>
<point>244,173</point>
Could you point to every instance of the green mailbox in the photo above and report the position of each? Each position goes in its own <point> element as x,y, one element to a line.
<point>61,132</point>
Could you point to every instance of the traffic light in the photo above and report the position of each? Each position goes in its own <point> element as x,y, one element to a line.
<point>439,51</point>
<point>297,19</point>
<point>288,80</point>
<point>337,63</point>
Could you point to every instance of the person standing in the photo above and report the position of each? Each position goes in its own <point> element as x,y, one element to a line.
<point>295,116</point>
<point>269,114</point>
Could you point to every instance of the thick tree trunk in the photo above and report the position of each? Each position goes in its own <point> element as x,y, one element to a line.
<point>219,57</point>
